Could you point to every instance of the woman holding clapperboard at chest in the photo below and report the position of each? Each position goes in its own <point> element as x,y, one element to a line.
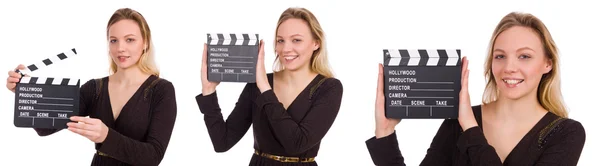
<point>291,109</point>
<point>523,120</point>
<point>131,112</point>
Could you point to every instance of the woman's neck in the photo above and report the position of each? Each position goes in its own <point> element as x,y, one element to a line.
<point>521,109</point>
<point>129,76</point>
<point>293,78</point>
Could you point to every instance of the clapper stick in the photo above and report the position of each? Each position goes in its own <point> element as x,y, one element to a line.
<point>46,102</point>
<point>47,62</point>
<point>232,57</point>
<point>422,83</point>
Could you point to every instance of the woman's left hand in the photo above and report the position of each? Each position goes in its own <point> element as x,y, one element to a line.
<point>262,82</point>
<point>466,118</point>
<point>91,128</point>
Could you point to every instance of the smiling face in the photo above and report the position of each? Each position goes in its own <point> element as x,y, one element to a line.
<point>126,43</point>
<point>295,44</point>
<point>519,62</point>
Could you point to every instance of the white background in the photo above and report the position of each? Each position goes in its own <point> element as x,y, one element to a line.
<point>356,33</point>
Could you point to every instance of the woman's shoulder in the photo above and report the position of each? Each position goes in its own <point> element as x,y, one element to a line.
<point>161,84</point>
<point>561,129</point>
<point>563,125</point>
<point>326,85</point>
<point>330,81</point>
<point>93,83</point>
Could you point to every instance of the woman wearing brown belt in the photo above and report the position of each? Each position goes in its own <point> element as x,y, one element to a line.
<point>132,111</point>
<point>291,109</point>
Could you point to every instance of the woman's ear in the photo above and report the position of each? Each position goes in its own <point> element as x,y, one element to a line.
<point>316,46</point>
<point>548,66</point>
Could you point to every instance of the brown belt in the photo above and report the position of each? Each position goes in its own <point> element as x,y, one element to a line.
<point>284,158</point>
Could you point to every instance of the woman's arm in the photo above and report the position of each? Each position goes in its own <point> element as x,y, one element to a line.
<point>225,134</point>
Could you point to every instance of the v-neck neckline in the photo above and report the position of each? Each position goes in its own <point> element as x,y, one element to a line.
<point>112,115</point>
<point>529,133</point>
<point>271,81</point>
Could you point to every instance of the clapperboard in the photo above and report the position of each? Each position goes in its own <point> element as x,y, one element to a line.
<point>422,83</point>
<point>46,102</point>
<point>232,57</point>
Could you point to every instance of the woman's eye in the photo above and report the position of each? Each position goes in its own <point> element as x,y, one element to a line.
<point>524,56</point>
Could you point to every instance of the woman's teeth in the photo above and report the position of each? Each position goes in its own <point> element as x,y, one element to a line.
<point>123,58</point>
<point>290,57</point>
<point>512,82</point>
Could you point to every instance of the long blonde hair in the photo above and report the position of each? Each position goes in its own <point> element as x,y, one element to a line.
<point>548,94</point>
<point>146,62</point>
<point>318,62</point>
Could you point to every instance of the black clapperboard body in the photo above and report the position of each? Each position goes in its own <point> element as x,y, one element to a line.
<point>422,83</point>
<point>232,57</point>
<point>46,102</point>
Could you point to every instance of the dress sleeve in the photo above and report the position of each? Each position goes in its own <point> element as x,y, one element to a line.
<point>225,134</point>
<point>473,143</point>
<point>385,151</point>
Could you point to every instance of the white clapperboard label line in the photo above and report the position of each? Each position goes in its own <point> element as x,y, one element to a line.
<point>230,39</point>
<point>44,81</point>
<point>420,57</point>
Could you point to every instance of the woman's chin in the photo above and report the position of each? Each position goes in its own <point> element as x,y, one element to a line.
<point>125,65</point>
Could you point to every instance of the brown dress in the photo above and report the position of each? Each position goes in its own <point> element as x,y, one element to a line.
<point>295,132</point>
<point>552,141</point>
<point>141,133</point>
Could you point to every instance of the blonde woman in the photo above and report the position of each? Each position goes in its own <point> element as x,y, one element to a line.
<point>291,109</point>
<point>132,111</point>
<point>522,121</point>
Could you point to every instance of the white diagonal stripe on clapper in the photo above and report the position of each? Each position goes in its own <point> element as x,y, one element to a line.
<point>214,39</point>
<point>415,57</point>
<point>433,57</point>
<point>41,80</point>
<point>40,65</point>
<point>55,59</point>
<point>73,81</point>
<point>227,40</point>
<point>394,57</point>
<point>395,53</point>
<point>25,80</point>
<point>57,81</point>
<point>452,57</point>
<point>69,53</point>
<point>252,39</point>
<point>25,71</point>
<point>239,39</point>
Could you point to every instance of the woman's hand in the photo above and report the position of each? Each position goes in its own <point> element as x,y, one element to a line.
<point>91,128</point>
<point>208,87</point>
<point>262,82</point>
<point>13,78</point>
<point>383,126</point>
<point>465,112</point>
